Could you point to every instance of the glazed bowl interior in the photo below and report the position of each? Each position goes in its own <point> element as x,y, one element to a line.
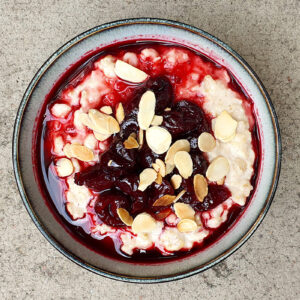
<point>147,29</point>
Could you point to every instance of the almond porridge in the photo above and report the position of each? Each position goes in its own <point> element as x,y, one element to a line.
<point>148,150</point>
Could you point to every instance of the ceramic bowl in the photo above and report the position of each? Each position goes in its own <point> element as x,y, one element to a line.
<point>133,29</point>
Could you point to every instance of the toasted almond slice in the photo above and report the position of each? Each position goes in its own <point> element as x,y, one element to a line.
<point>221,181</point>
<point>179,195</point>
<point>99,121</point>
<point>106,109</point>
<point>169,168</point>
<point>67,150</point>
<point>82,153</point>
<point>86,121</point>
<point>225,127</point>
<point>109,162</point>
<point>206,142</point>
<point>200,187</point>
<point>64,167</point>
<point>184,211</point>
<point>183,163</point>
<point>146,109</point>
<point>131,143</point>
<point>158,179</point>
<point>120,114</point>
<point>218,169</point>
<point>159,139</point>
<point>157,120</point>
<point>147,177</point>
<point>129,73</point>
<point>124,216</point>
<point>161,167</point>
<point>180,145</point>
<point>187,225</point>
<point>101,137</point>
<point>141,137</point>
<point>143,223</point>
<point>155,167</point>
<point>176,181</point>
<point>168,109</point>
<point>164,200</point>
<point>113,125</point>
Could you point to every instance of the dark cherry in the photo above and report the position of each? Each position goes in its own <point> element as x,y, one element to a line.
<point>158,190</point>
<point>106,207</point>
<point>200,164</point>
<point>147,157</point>
<point>129,186</point>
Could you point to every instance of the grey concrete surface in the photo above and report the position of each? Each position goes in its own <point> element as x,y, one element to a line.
<point>266,34</point>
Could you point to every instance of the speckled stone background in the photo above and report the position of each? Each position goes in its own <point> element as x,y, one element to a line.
<point>267,35</point>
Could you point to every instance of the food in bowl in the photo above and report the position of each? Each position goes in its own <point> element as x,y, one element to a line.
<point>148,150</point>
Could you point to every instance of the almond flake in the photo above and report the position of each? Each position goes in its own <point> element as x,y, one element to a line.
<point>225,127</point>
<point>86,121</point>
<point>106,109</point>
<point>124,216</point>
<point>113,125</point>
<point>155,167</point>
<point>129,73</point>
<point>67,150</point>
<point>180,145</point>
<point>169,168</point>
<point>164,200</point>
<point>179,195</point>
<point>64,167</point>
<point>168,109</point>
<point>146,109</point>
<point>206,142</point>
<point>147,177</point>
<point>176,181</point>
<point>187,225</point>
<point>120,114</point>
<point>101,137</point>
<point>103,123</point>
<point>158,179</point>
<point>82,153</point>
<point>161,167</point>
<point>143,223</point>
<point>131,143</point>
<point>183,163</point>
<point>217,169</point>
<point>184,211</point>
<point>200,187</point>
<point>163,214</point>
<point>141,137</point>
<point>159,139</point>
<point>109,163</point>
<point>157,120</point>
<point>221,181</point>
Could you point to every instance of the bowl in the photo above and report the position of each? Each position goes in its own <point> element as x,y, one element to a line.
<point>126,30</point>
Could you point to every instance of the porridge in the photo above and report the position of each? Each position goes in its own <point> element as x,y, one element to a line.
<point>148,151</point>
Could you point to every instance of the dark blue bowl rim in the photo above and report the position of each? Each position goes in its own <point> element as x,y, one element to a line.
<point>18,175</point>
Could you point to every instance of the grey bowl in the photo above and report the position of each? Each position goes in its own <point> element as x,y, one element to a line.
<point>170,31</point>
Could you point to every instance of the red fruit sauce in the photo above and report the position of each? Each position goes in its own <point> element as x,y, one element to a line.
<point>117,187</point>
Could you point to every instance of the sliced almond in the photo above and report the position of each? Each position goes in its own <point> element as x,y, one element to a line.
<point>131,143</point>
<point>169,168</point>
<point>200,187</point>
<point>225,127</point>
<point>147,177</point>
<point>143,223</point>
<point>206,142</point>
<point>64,167</point>
<point>109,162</point>
<point>86,121</point>
<point>221,181</point>
<point>164,200</point>
<point>82,153</point>
<point>124,216</point>
<point>67,150</point>
<point>158,179</point>
<point>184,211</point>
<point>183,163</point>
<point>101,137</point>
<point>103,123</point>
<point>158,139</point>
<point>218,169</point>
<point>157,120</point>
<point>141,137</point>
<point>113,125</point>
<point>168,109</point>
<point>120,114</point>
<point>180,145</point>
<point>106,109</point>
<point>146,110</point>
<point>187,225</point>
<point>176,181</point>
<point>161,167</point>
<point>129,73</point>
<point>179,195</point>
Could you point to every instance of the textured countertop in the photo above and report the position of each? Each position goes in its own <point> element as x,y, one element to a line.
<point>266,34</point>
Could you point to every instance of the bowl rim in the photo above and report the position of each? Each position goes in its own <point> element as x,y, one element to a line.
<point>18,175</point>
